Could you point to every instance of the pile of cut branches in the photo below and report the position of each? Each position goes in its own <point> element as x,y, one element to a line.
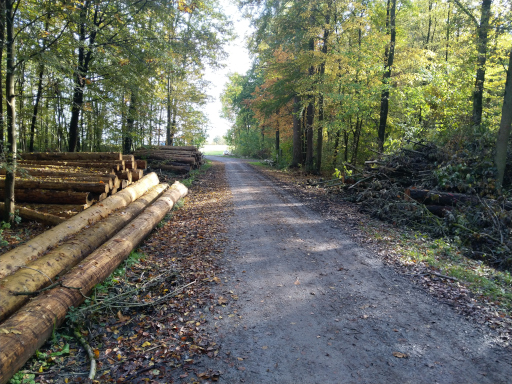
<point>440,191</point>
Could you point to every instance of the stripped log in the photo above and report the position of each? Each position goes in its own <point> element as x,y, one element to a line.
<point>13,260</point>
<point>117,165</point>
<point>141,164</point>
<point>84,186</point>
<point>40,217</point>
<point>124,175</point>
<point>137,174</point>
<point>61,210</point>
<point>67,255</point>
<point>72,156</point>
<point>29,328</point>
<point>178,169</point>
<point>47,196</point>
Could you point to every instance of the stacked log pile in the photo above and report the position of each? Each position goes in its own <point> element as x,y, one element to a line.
<point>43,278</point>
<point>65,183</point>
<point>176,159</point>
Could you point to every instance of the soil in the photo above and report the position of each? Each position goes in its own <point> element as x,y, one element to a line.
<point>313,306</point>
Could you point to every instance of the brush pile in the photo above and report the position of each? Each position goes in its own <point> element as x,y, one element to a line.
<point>440,191</point>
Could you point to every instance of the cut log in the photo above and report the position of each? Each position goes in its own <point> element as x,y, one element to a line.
<point>171,148</point>
<point>13,260</point>
<point>99,187</point>
<point>61,210</point>
<point>137,174</point>
<point>29,328</point>
<point>178,169</point>
<point>46,196</point>
<point>40,217</point>
<point>116,165</point>
<point>67,255</point>
<point>439,210</point>
<point>445,198</point>
<point>99,196</point>
<point>58,174</point>
<point>124,175</point>
<point>72,156</point>
<point>166,156</point>
<point>141,164</point>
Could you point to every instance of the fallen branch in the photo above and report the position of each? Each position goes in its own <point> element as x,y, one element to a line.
<point>90,353</point>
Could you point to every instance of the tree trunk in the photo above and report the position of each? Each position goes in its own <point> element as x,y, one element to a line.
<point>36,107</point>
<point>505,126</point>
<point>178,169</point>
<point>13,260</point>
<point>84,59</point>
<point>73,156</point>
<point>116,165</point>
<point>30,214</point>
<point>389,57</point>
<point>44,196</point>
<point>132,112</point>
<point>10,150</point>
<point>297,142</point>
<point>59,186</point>
<point>43,314</point>
<point>478,93</point>
<point>2,43</point>
<point>67,255</point>
<point>310,117</point>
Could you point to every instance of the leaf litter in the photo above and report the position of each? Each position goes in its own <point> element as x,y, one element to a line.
<point>136,340</point>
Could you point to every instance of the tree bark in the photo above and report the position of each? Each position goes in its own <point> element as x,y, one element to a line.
<point>59,186</point>
<point>13,260</point>
<point>84,59</point>
<point>73,156</point>
<point>478,93</point>
<point>297,142</point>
<point>10,150</point>
<point>116,165</point>
<point>505,126</point>
<point>68,254</point>
<point>2,43</point>
<point>36,108</point>
<point>129,132</point>
<point>46,196</point>
<point>43,314</point>
<point>389,57</point>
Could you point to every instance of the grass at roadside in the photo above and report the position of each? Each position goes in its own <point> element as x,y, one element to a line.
<point>421,252</point>
<point>213,153</point>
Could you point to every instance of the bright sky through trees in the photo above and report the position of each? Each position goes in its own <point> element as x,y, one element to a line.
<point>238,61</point>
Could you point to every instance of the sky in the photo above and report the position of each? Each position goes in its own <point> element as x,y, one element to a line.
<point>238,61</point>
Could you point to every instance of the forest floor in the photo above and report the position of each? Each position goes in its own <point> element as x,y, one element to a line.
<point>276,282</point>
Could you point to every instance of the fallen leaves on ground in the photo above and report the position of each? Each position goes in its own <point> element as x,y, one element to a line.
<point>160,343</point>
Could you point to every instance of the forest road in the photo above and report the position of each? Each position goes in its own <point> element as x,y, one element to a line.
<point>308,305</point>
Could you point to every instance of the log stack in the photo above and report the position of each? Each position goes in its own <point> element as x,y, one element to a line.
<point>43,278</point>
<point>65,183</point>
<point>176,159</point>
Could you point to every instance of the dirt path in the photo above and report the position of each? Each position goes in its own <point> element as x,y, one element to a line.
<point>307,305</point>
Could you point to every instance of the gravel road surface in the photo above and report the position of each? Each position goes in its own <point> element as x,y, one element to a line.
<point>305,304</point>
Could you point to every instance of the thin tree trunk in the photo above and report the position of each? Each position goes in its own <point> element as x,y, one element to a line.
<point>2,43</point>
<point>132,111</point>
<point>320,133</point>
<point>336,148</point>
<point>448,32</point>
<point>310,118</point>
<point>505,126</point>
<point>168,135</point>
<point>389,57</point>
<point>429,24</point>
<point>36,106</point>
<point>84,59</point>
<point>297,142</point>
<point>10,151</point>
<point>478,93</point>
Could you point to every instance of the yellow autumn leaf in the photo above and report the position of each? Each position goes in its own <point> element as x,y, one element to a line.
<point>146,344</point>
